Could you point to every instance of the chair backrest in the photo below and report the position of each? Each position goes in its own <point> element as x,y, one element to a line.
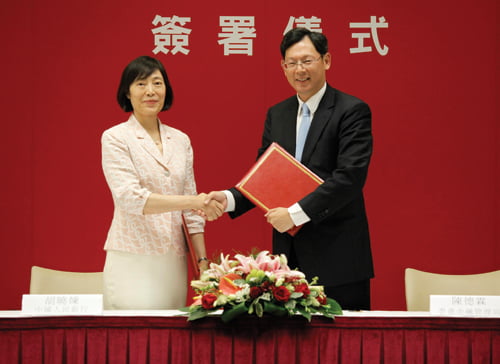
<point>420,285</point>
<point>51,281</point>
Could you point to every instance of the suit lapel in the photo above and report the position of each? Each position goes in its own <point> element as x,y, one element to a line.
<point>168,146</point>
<point>147,142</point>
<point>289,131</point>
<point>320,120</point>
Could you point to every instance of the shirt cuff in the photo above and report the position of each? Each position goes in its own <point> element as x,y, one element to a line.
<point>231,203</point>
<point>298,215</point>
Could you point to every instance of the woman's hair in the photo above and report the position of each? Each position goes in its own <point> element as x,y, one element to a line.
<point>297,34</point>
<point>141,68</point>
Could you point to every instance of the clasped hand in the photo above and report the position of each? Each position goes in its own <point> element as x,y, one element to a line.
<point>278,217</point>
<point>213,205</point>
<point>210,209</point>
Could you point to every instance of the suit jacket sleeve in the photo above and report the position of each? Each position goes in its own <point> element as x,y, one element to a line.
<point>121,175</point>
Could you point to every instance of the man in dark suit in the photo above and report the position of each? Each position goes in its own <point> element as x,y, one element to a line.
<point>334,242</point>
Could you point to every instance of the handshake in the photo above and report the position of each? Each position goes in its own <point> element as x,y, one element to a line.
<point>211,206</point>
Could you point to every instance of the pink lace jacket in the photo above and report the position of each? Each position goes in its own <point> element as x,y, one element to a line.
<point>134,168</point>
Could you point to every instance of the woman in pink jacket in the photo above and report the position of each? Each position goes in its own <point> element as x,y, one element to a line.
<point>148,166</point>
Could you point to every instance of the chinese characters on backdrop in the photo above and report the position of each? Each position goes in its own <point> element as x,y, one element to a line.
<point>237,33</point>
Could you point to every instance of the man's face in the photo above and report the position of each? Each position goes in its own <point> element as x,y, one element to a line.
<point>305,69</point>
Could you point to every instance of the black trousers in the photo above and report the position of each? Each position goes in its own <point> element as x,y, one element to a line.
<point>352,296</point>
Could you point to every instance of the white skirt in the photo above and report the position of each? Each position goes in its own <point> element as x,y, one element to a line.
<point>144,282</point>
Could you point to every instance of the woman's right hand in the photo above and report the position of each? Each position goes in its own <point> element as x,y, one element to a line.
<point>211,210</point>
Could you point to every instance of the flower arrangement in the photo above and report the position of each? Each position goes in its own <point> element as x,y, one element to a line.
<point>256,285</point>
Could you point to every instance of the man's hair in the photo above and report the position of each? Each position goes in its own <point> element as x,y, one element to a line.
<point>141,68</point>
<point>297,34</point>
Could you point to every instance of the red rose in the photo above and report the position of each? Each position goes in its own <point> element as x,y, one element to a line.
<point>265,286</point>
<point>207,301</point>
<point>322,300</point>
<point>282,294</point>
<point>303,288</point>
<point>255,292</point>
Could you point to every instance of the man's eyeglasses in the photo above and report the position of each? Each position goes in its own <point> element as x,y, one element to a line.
<point>306,63</point>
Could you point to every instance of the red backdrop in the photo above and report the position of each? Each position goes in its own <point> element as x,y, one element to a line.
<point>432,191</point>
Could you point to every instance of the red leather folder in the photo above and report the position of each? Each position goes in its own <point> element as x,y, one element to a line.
<point>191,251</point>
<point>277,179</point>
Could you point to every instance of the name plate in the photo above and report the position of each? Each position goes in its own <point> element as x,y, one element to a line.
<point>62,304</point>
<point>460,305</point>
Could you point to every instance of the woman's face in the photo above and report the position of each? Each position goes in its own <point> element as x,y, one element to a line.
<point>147,95</point>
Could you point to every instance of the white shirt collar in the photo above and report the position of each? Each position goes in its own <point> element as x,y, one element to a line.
<point>313,101</point>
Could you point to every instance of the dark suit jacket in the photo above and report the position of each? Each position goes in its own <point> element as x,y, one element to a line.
<point>335,244</point>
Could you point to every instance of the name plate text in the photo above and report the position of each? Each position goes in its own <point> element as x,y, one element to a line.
<point>461,305</point>
<point>62,304</point>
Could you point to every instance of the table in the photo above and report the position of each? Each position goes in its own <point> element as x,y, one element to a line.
<point>164,337</point>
